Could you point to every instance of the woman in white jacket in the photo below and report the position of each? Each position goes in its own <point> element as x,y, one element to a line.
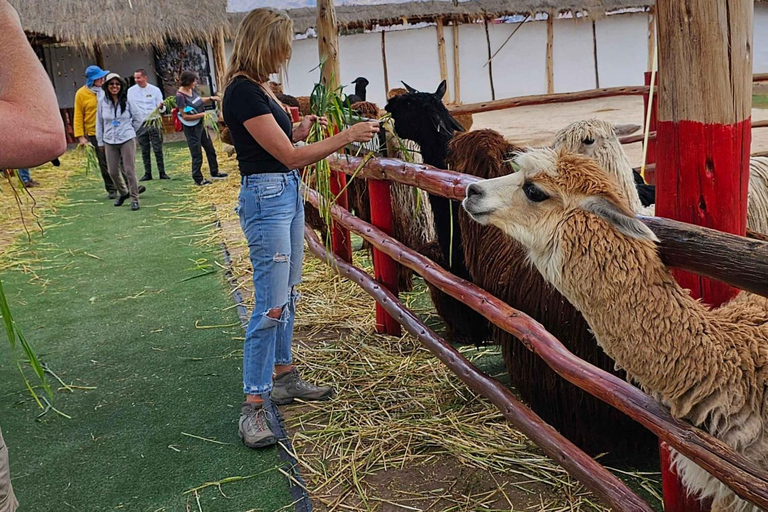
<point>116,136</point>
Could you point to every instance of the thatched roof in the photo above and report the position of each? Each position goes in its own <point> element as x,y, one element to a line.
<point>355,16</point>
<point>89,22</point>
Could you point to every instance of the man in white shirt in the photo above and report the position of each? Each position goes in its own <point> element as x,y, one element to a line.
<point>144,98</point>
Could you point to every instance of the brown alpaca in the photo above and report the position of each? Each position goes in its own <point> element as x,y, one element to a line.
<point>366,109</point>
<point>709,367</point>
<point>499,265</point>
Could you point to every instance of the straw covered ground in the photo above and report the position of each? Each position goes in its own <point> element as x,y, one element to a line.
<point>403,432</point>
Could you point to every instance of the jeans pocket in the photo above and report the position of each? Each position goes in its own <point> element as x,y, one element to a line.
<point>271,190</point>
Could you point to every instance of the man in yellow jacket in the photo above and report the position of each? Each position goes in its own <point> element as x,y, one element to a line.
<point>86,103</point>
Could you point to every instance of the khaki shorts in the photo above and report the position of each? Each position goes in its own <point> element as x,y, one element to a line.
<point>8,501</point>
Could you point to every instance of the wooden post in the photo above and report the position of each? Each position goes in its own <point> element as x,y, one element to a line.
<point>384,61</point>
<point>703,133</point>
<point>650,154</point>
<point>490,61</point>
<point>550,45</point>
<point>456,73</point>
<point>98,56</point>
<point>651,37</point>
<point>219,59</point>
<point>385,269</point>
<point>328,50</point>
<point>441,54</point>
<point>594,52</point>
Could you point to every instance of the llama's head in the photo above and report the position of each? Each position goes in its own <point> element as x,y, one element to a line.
<point>482,153</point>
<point>552,205</point>
<point>598,139</point>
<point>422,117</point>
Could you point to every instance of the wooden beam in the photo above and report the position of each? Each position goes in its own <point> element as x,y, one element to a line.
<point>441,53</point>
<point>550,60</point>
<point>490,58</point>
<point>219,59</point>
<point>328,42</point>
<point>594,52</point>
<point>384,61</point>
<point>456,69</point>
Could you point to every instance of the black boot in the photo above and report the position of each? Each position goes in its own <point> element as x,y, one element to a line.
<point>121,199</point>
<point>146,177</point>
<point>164,176</point>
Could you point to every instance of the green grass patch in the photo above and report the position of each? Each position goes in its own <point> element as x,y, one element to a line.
<point>153,357</point>
<point>760,101</point>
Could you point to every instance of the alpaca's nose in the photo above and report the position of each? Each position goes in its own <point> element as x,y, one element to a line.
<point>474,191</point>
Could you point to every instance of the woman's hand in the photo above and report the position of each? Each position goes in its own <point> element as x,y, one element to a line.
<point>363,132</point>
<point>301,132</point>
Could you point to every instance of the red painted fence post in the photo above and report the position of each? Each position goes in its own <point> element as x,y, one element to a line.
<point>650,153</point>
<point>703,139</point>
<point>384,267</point>
<point>340,238</point>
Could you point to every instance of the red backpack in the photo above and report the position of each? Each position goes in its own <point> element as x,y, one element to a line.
<point>177,126</point>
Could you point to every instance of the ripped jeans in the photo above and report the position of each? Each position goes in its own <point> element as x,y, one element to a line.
<point>271,212</point>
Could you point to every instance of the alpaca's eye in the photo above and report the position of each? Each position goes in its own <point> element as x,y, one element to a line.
<point>589,141</point>
<point>534,193</point>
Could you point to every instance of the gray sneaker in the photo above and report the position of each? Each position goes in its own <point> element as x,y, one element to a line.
<point>254,426</point>
<point>289,386</point>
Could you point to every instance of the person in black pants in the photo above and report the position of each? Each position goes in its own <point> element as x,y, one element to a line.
<point>191,108</point>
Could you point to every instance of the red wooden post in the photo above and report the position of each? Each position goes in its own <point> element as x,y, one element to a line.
<point>384,267</point>
<point>703,137</point>
<point>340,239</point>
<point>650,153</point>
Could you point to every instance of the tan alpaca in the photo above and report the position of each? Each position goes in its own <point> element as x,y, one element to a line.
<point>709,367</point>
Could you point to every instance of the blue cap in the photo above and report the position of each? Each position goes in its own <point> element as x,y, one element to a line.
<point>94,73</point>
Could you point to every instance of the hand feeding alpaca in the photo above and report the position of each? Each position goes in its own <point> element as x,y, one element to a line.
<point>709,367</point>
<point>598,139</point>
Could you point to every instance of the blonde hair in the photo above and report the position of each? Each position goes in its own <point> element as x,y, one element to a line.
<point>262,46</point>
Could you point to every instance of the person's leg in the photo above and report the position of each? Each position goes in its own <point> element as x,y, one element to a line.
<point>8,501</point>
<point>156,138</point>
<point>112,155</point>
<point>288,384</point>
<point>24,175</point>
<point>103,167</point>
<point>128,152</point>
<point>210,153</point>
<point>143,138</point>
<point>194,141</point>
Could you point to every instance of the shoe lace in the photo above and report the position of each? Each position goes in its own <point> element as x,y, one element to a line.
<point>260,418</point>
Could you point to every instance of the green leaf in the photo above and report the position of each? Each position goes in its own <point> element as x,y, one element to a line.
<point>5,310</point>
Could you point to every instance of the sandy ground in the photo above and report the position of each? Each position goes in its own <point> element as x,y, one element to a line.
<point>537,125</point>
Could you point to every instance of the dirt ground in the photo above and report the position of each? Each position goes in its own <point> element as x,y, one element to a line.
<point>537,125</point>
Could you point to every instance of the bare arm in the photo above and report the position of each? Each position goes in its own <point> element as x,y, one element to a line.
<point>265,130</point>
<point>31,129</point>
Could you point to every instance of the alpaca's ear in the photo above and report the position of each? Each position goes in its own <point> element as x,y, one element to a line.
<point>440,92</point>
<point>625,129</point>
<point>612,214</point>
<point>408,87</point>
<point>455,124</point>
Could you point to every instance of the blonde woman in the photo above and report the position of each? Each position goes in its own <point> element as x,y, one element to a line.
<point>271,212</point>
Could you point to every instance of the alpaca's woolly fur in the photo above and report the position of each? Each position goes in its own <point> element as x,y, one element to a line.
<point>709,367</point>
<point>499,265</point>
<point>609,153</point>
<point>366,109</point>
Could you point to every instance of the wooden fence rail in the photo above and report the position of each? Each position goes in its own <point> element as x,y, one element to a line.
<point>744,477</point>
<point>706,252</point>
<point>594,476</point>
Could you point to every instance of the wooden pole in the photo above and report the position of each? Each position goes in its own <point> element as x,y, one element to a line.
<point>441,53</point>
<point>650,152</point>
<point>385,269</point>
<point>384,61</point>
<point>98,56</point>
<point>328,50</point>
<point>550,47</point>
<point>703,136</point>
<point>490,58</point>
<point>219,59</point>
<point>594,52</point>
<point>456,69</point>
<point>651,37</point>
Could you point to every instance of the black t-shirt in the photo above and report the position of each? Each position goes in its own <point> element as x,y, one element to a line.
<point>244,100</point>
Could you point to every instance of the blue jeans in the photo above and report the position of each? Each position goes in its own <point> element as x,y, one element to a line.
<point>271,212</point>
<point>24,175</point>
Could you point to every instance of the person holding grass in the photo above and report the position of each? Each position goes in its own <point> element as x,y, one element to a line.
<point>271,211</point>
<point>27,140</point>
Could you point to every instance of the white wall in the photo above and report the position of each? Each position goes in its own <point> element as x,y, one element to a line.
<point>412,57</point>
<point>520,68</point>
<point>622,49</point>
<point>573,59</point>
<point>361,56</point>
<point>760,43</point>
<point>473,52</point>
